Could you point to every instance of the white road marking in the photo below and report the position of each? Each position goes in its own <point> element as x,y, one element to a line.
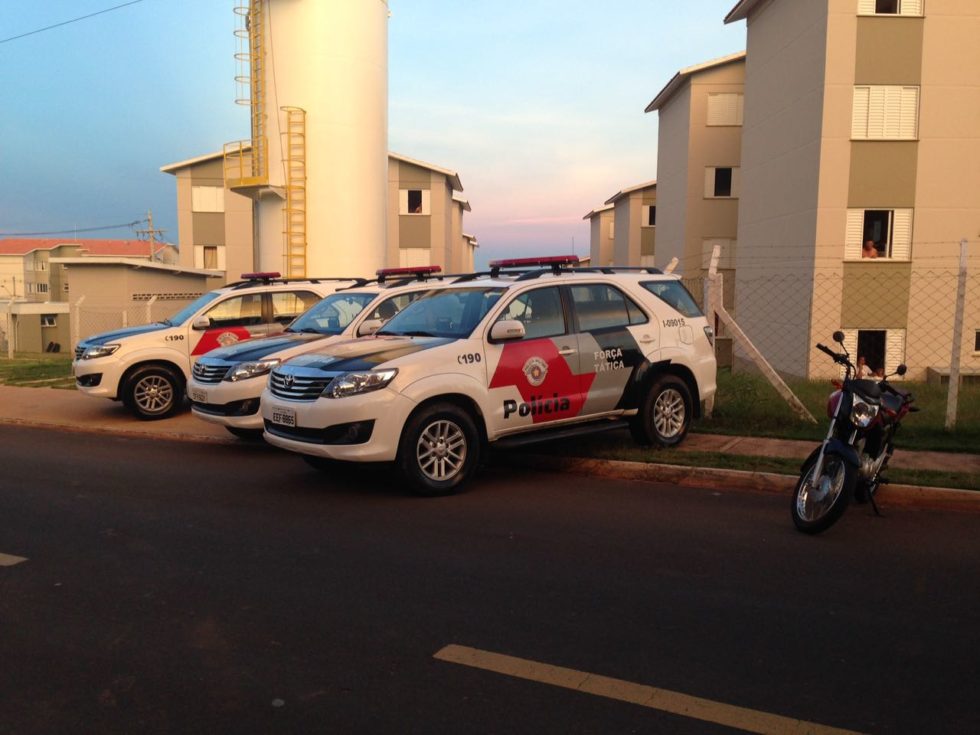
<point>676,703</point>
<point>8,560</point>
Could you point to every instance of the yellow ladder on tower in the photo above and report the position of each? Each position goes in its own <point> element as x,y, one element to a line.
<point>246,161</point>
<point>294,213</point>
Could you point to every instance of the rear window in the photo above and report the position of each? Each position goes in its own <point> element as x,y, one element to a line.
<point>675,296</point>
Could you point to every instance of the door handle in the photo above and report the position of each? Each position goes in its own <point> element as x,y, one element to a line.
<point>565,350</point>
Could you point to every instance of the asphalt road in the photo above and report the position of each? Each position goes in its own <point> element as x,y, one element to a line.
<point>183,587</point>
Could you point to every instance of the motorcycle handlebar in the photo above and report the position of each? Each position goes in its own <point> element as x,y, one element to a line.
<point>838,358</point>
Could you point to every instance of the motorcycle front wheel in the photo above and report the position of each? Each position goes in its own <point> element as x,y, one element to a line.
<point>819,502</point>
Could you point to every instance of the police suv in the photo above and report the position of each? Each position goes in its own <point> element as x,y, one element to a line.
<point>226,383</point>
<point>147,366</point>
<point>505,356</point>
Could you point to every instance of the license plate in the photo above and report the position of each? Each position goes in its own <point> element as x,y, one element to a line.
<point>197,395</point>
<point>283,416</point>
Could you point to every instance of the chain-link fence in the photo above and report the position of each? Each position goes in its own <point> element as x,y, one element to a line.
<point>88,320</point>
<point>924,314</point>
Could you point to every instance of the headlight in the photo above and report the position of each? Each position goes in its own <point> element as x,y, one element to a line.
<point>93,351</point>
<point>863,414</point>
<point>350,384</point>
<point>246,370</point>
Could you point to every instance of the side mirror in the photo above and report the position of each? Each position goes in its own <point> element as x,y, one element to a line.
<point>901,369</point>
<point>507,329</point>
<point>839,337</point>
<point>369,327</point>
<point>201,323</point>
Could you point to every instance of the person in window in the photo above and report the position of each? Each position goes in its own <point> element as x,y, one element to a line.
<point>861,370</point>
<point>869,250</point>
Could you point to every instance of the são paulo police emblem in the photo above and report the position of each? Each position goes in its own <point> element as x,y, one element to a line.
<point>227,338</point>
<point>535,370</point>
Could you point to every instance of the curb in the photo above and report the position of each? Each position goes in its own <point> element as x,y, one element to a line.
<point>932,498</point>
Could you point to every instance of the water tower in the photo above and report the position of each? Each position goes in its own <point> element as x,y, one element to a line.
<point>314,74</point>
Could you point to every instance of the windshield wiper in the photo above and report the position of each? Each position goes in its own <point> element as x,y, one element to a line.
<point>415,333</point>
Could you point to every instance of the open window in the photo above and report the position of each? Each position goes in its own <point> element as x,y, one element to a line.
<point>721,182</point>
<point>414,201</point>
<point>890,7</point>
<point>890,231</point>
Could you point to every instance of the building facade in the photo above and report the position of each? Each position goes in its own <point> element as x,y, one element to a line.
<point>425,219</point>
<point>699,145</point>
<point>602,234</point>
<point>860,125</point>
<point>634,225</point>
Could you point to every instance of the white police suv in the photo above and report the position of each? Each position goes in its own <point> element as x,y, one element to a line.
<point>507,356</point>
<point>147,366</point>
<point>226,384</point>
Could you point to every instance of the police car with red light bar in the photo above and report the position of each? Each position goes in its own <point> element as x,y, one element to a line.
<point>147,366</point>
<point>226,384</point>
<point>532,349</point>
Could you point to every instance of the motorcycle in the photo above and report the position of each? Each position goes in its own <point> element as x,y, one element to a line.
<point>864,417</point>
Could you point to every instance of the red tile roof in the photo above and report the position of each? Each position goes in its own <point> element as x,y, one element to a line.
<point>117,248</point>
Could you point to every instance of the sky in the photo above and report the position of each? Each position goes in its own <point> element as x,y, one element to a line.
<point>536,104</point>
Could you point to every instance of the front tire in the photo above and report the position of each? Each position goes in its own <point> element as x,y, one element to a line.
<point>153,392</point>
<point>818,503</point>
<point>440,449</point>
<point>665,413</point>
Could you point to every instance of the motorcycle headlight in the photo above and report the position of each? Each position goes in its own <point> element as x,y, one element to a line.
<point>351,384</point>
<point>246,370</point>
<point>862,414</point>
<point>93,351</point>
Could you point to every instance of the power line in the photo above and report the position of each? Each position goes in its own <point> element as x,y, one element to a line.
<point>66,22</point>
<point>72,231</point>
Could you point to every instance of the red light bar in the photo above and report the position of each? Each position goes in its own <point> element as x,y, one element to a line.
<point>546,260</point>
<point>409,271</point>
<point>260,276</point>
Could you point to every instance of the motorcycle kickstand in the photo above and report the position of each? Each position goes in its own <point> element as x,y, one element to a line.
<point>871,496</point>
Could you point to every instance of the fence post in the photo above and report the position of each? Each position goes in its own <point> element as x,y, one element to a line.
<point>76,324</point>
<point>952,396</point>
<point>149,309</point>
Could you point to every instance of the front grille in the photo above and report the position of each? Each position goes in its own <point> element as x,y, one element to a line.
<point>298,387</point>
<point>210,373</point>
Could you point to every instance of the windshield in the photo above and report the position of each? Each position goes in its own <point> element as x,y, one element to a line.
<point>446,313</point>
<point>191,309</point>
<point>333,314</point>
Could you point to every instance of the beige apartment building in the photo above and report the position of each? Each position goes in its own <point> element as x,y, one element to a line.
<point>602,234</point>
<point>634,226</point>
<point>699,164</point>
<point>860,124</point>
<point>425,218</point>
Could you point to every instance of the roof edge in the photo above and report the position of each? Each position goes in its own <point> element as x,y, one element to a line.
<point>682,76</point>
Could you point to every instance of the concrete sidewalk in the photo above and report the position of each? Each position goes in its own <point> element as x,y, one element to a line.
<point>68,409</point>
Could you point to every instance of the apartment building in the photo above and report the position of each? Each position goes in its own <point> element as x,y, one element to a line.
<point>631,224</point>
<point>699,145</point>
<point>602,234</point>
<point>860,124</point>
<point>425,218</point>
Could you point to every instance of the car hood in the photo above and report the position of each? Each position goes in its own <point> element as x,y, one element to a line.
<point>364,354</point>
<point>105,337</point>
<point>256,349</point>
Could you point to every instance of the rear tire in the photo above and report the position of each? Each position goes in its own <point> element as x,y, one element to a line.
<point>153,392</point>
<point>440,449</point>
<point>818,504</point>
<point>665,413</point>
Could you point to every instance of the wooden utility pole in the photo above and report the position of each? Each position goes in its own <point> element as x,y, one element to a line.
<point>150,232</point>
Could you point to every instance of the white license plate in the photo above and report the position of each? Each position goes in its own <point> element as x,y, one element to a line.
<point>283,416</point>
<point>197,395</point>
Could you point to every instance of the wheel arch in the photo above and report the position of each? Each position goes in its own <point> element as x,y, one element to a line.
<point>166,364</point>
<point>460,400</point>
<point>657,370</point>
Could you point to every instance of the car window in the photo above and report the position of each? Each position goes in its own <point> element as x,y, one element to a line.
<point>674,295</point>
<point>238,311</point>
<point>287,305</point>
<point>600,306</point>
<point>444,313</point>
<point>191,309</point>
<point>392,305</point>
<point>332,314</point>
<point>539,311</point>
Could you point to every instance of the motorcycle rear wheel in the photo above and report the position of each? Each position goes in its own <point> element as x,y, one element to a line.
<point>818,503</point>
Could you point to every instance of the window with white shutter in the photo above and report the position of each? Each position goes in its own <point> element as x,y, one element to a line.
<point>889,229</point>
<point>413,257</point>
<point>725,109</point>
<point>207,199</point>
<point>649,216</point>
<point>890,7</point>
<point>894,350</point>
<point>885,112</point>
<point>414,201</point>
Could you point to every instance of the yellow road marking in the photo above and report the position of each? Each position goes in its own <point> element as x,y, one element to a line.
<point>6,560</point>
<point>625,691</point>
